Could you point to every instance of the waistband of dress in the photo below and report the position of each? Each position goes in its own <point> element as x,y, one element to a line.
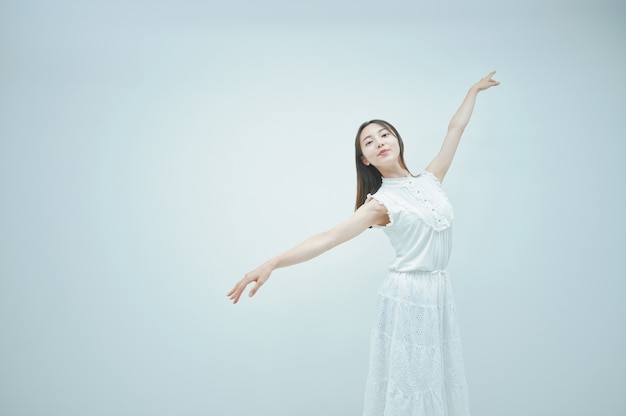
<point>442,272</point>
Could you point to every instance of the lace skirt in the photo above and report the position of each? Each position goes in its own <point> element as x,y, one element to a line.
<point>416,364</point>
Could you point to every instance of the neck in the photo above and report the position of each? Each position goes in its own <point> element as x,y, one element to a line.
<point>398,172</point>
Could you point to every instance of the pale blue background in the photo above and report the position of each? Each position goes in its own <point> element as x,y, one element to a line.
<point>153,152</point>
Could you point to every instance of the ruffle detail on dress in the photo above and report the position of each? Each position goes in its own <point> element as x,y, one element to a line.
<point>389,214</point>
<point>443,215</point>
<point>431,176</point>
<point>422,194</point>
<point>439,218</point>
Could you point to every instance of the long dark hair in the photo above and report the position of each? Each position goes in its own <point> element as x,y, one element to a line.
<point>368,178</point>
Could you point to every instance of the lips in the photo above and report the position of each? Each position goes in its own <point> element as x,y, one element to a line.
<point>383,152</point>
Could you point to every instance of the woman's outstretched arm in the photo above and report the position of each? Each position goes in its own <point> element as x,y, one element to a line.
<point>367,215</point>
<point>441,163</point>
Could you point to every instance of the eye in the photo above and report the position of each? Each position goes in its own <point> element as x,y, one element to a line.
<point>367,143</point>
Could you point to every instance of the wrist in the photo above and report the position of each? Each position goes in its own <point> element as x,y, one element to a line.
<point>272,264</point>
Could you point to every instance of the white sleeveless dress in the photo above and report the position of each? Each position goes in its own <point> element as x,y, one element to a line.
<point>416,365</point>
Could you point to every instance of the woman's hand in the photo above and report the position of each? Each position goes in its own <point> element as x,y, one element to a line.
<point>486,82</point>
<point>258,275</point>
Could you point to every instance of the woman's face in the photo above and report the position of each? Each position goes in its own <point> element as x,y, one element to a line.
<point>379,146</point>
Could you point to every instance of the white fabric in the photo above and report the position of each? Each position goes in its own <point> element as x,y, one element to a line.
<point>416,364</point>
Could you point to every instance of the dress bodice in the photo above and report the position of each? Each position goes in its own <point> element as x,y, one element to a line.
<point>420,227</point>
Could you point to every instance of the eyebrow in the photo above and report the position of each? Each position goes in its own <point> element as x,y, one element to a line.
<point>384,128</point>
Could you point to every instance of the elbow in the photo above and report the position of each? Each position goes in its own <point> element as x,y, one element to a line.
<point>329,240</point>
<point>456,127</point>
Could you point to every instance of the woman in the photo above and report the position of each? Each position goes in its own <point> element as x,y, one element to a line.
<point>416,366</point>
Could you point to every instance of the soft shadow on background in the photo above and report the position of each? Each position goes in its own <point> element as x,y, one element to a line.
<point>153,152</point>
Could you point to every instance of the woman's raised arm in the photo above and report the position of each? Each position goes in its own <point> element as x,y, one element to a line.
<point>441,163</point>
<point>367,215</point>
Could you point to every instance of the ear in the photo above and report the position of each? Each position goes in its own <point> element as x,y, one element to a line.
<point>365,161</point>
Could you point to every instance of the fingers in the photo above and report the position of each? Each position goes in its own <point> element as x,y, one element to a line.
<point>258,276</point>
<point>236,291</point>
<point>255,288</point>
<point>489,76</point>
<point>487,82</point>
<point>233,289</point>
